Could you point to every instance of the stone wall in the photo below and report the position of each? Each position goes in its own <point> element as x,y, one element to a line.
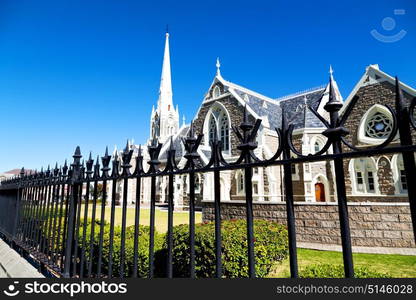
<point>372,225</point>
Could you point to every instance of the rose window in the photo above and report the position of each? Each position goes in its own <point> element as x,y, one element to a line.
<point>379,126</point>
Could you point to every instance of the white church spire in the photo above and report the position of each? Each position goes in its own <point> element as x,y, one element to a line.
<point>165,120</point>
<point>165,91</point>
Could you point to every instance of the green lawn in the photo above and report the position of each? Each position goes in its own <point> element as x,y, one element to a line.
<point>396,265</point>
<point>161,217</point>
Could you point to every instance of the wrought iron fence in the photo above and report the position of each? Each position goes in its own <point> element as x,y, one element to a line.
<point>41,215</point>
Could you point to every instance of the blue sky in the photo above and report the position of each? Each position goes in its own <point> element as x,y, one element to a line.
<point>87,72</point>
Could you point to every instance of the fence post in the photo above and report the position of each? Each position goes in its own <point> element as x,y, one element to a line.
<point>18,200</point>
<point>290,210</point>
<point>72,209</point>
<point>334,133</point>
<point>408,157</point>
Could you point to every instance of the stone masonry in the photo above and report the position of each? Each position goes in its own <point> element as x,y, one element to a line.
<point>372,225</point>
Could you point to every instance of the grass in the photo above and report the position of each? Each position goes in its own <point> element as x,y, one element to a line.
<point>396,265</point>
<point>161,217</point>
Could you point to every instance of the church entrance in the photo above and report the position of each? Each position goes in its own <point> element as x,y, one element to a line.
<point>319,192</point>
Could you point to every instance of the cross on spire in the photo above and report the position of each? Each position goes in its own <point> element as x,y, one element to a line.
<point>218,65</point>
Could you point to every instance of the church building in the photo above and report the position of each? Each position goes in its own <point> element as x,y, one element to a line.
<point>370,179</point>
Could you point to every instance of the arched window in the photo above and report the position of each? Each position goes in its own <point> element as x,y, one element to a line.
<point>217,92</point>
<point>317,147</point>
<point>401,175</point>
<point>197,185</point>
<point>225,133</point>
<point>365,176</point>
<point>219,124</point>
<point>212,129</point>
<point>240,183</point>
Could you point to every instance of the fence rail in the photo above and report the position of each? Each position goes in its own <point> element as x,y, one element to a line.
<point>42,214</point>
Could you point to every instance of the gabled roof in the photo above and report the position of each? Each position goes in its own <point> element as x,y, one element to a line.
<point>373,75</point>
<point>270,110</point>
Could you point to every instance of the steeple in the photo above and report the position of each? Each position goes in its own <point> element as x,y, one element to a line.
<point>165,90</point>
<point>332,84</point>
<point>218,65</point>
<point>164,120</point>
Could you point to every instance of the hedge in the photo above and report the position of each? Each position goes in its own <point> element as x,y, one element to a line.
<point>270,245</point>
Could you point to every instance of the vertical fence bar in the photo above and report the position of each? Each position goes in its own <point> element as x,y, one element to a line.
<point>35,216</point>
<point>112,216</point>
<point>92,232</point>
<point>84,230</point>
<point>42,216</point>
<point>408,157</point>
<point>217,212</point>
<point>154,150</point>
<point>28,207</point>
<point>248,174</point>
<point>59,245</point>
<point>45,217</point>
<point>51,215</point>
<point>126,157</point>
<point>69,191</point>
<point>136,226</point>
<point>102,220</point>
<point>38,224</point>
<point>335,133</point>
<point>290,210</point>
<point>137,172</point>
<point>20,190</point>
<point>56,219</point>
<point>105,161</point>
<point>71,214</point>
<point>76,229</point>
<point>123,227</point>
<point>192,224</point>
<point>169,270</point>
<point>89,172</point>
<point>31,214</point>
<point>152,226</point>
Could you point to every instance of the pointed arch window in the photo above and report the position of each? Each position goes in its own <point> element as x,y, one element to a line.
<point>197,185</point>
<point>402,180</point>
<point>365,176</point>
<point>216,92</point>
<point>225,133</point>
<point>212,129</point>
<point>240,183</point>
<point>219,125</point>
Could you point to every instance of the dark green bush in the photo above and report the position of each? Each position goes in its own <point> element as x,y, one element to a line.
<point>337,271</point>
<point>143,248</point>
<point>270,246</point>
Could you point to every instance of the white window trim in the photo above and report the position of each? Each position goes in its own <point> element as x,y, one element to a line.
<point>363,123</point>
<point>352,170</point>
<point>206,127</point>
<point>396,174</point>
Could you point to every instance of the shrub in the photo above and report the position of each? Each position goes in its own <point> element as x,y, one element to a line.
<point>337,271</point>
<point>270,245</point>
<point>143,248</point>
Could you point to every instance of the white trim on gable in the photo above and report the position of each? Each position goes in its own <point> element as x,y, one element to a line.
<point>371,72</point>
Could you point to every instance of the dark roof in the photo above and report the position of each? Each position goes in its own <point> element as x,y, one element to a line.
<point>297,112</point>
<point>294,107</point>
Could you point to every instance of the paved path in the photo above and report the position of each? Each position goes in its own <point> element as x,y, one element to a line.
<point>12,265</point>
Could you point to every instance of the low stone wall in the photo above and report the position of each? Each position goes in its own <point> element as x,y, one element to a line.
<point>372,224</point>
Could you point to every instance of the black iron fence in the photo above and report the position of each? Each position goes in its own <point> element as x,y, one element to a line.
<point>41,213</point>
